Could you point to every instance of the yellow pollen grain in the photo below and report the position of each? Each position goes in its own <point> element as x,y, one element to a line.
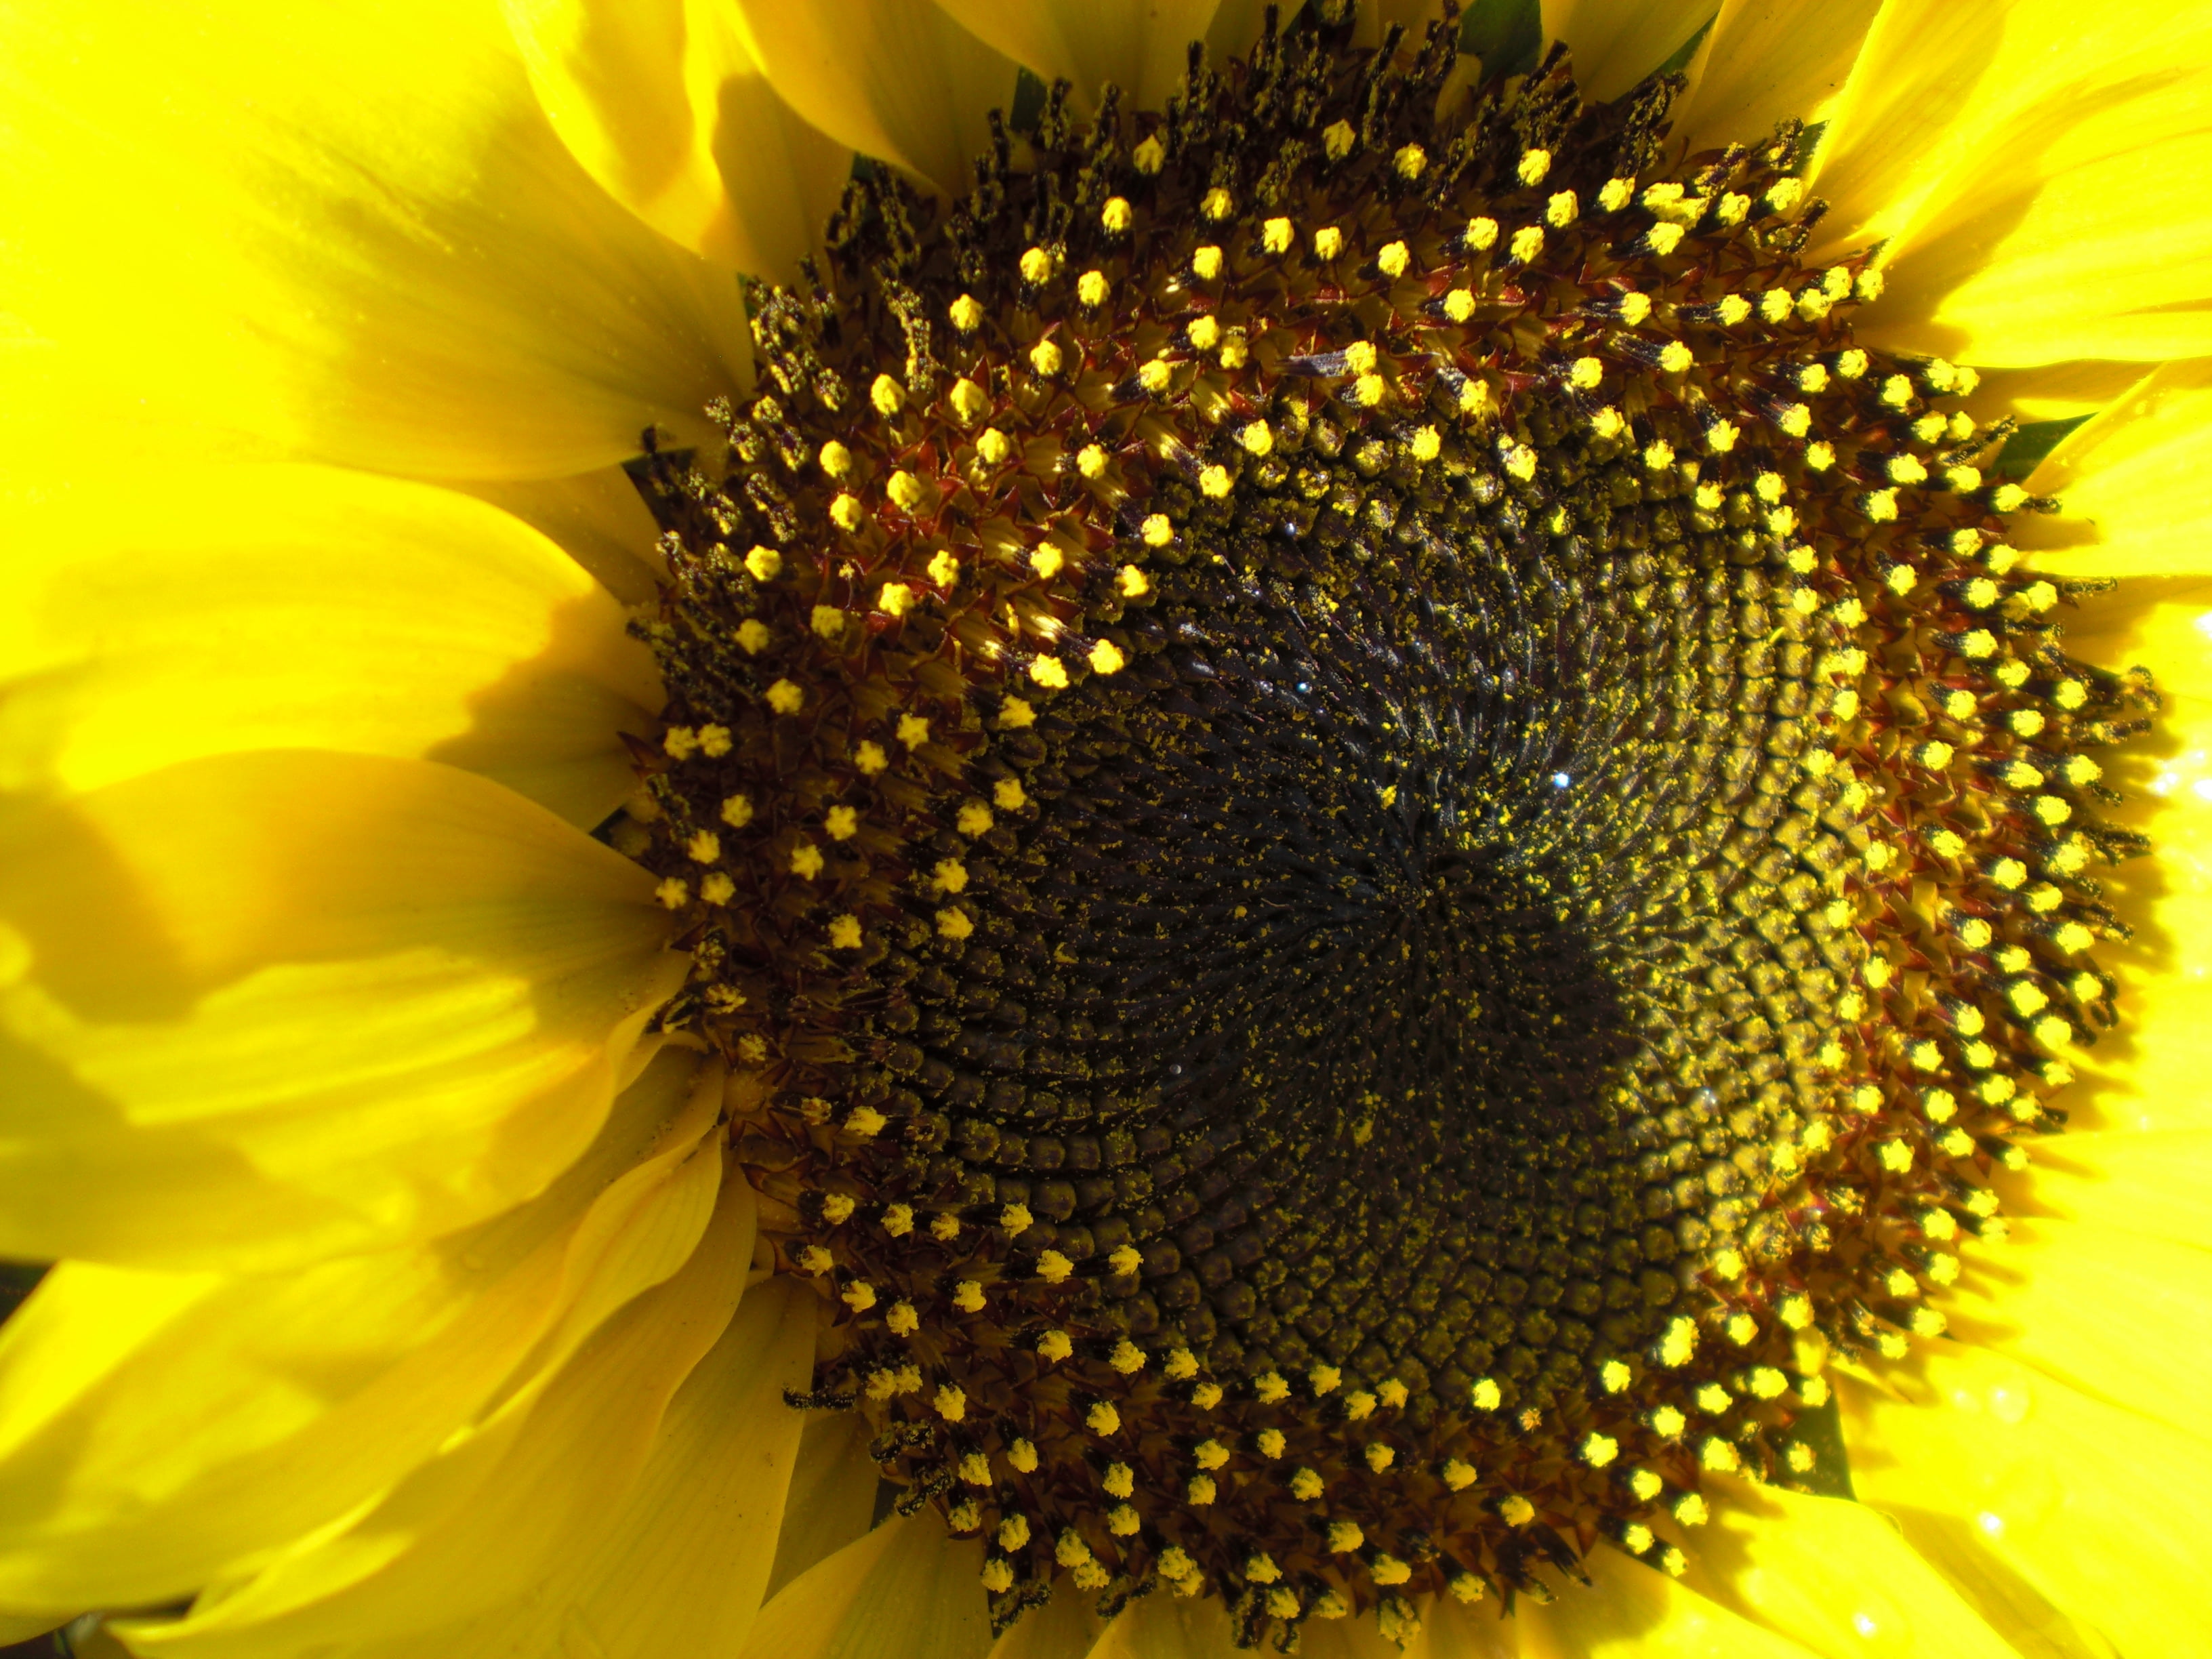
<point>1106,657</point>
<point>944,569</point>
<point>869,758</point>
<point>1735,208</point>
<point>1117,216</point>
<point>967,314</point>
<point>845,512</point>
<point>1427,444</point>
<point>674,893</point>
<point>752,636</point>
<point>887,396</point>
<point>1206,263</point>
<point>806,861</point>
<point>1216,204</point>
<point>1047,358</point>
<point>1561,209</point>
<point>1328,242</point>
<point>913,730</point>
<point>1774,306</point>
<point>895,598</point>
<point>1257,438</point>
<point>953,923</point>
<point>705,847</point>
<point>993,447</point>
<point>1393,259</point>
<point>1214,482</point>
<point>845,933</point>
<point>1008,794</point>
<point>1410,161</point>
<point>1674,357</point>
<point>969,401</point>
<point>1820,457</point>
<point>1203,332</point>
<point>785,697</point>
<point>1368,390</point>
<point>1658,455</point>
<point>1586,374</point>
<point>1721,436</point>
<point>1049,672</point>
<point>1516,1510</point>
<point>1035,265</point>
<point>828,621</point>
<point>1046,559</point>
<point>1528,243</point>
<point>1277,235</point>
<point>1853,364</point>
<point>1663,239</point>
<point>763,564</point>
<point>718,889</point>
<point>1535,166</point>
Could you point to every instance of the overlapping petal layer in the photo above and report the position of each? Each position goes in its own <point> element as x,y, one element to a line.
<point>668,104</point>
<point>2070,1519</point>
<point>903,1591</point>
<point>262,1008</point>
<point>353,238</point>
<point>159,1430</point>
<point>1616,43</point>
<point>508,1511</point>
<point>2035,170</point>
<point>173,614</point>
<point>1771,60</point>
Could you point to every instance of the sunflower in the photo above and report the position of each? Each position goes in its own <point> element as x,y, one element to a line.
<point>1062,829</point>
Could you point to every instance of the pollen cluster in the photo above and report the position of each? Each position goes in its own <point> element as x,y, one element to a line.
<point>1378,836</point>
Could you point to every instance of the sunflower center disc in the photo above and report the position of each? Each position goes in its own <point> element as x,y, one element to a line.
<point>1377,837</point>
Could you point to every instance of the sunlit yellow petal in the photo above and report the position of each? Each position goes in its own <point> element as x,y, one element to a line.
<point>905,1589</point>
<point>889,78</point>
<point>2052,391</point>
<point>832,1499</point>
<point>166,615</point>
<point>158,1429</point>
<point>488,1520</point>
<point>2047,1499</point>
<point>1831,1575</point>
<point>665,105</point>
<point>2152,1183</point>
<point>2122,1315</point>
<point>2132,482</point>
<point>264,1008</point>
<point>1772,59</point>
<point>1140,49</point>
<point>372,247</point>
<point>2035,170</point>
<point>1616,43</point>
<point>598,520</point>
<point>1634,1611</point>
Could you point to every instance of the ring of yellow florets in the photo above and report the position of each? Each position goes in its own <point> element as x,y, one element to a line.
<point>979,473</point>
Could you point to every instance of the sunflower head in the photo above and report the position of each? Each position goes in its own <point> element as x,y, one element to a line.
<point>1384,835</point>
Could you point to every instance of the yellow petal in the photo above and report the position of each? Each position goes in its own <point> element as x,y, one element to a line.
<point>2121,1315</point>
<point>1616,43</point>
<point>907,1591</point>
<point>494,1517</point>
<point>157,1430</point>
<point>665,104</point>
<point>1167,1627</point>
<point>1772,59</point>
<point>1143,50</point>
<point>373,249</point>
<point>2150,1183</point>
<point>1631,1611</point>
<point>2132,482</point>
<point>2059,1512</point>
<point>152,616</point>
<point>1831,1574</point>
<point>2035,169</point>
<point>1066,1627</point>
<point>832,1499</point>
<point>679,1568</point>
<point>2050,392</point>
<point>889,78</point>
<point>262,1008</point>
<point>21,1627</point>
<point>597,518</point>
